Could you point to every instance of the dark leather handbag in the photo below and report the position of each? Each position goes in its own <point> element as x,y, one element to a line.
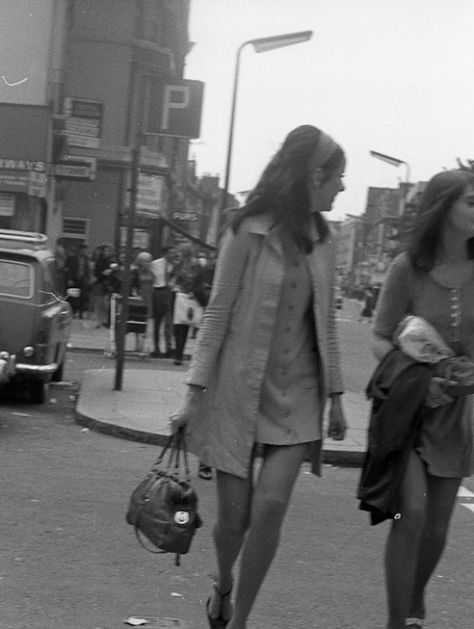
<point>164,505</point>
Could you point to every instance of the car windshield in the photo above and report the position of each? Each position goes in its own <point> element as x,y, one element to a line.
<point>16,279</point>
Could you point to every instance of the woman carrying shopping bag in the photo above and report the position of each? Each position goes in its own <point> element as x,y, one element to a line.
<point>190,298</point>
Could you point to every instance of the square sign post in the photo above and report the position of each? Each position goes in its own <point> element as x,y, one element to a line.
<point>174,108</point>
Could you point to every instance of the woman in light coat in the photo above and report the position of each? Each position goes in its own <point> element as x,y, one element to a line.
<point>266,360</point>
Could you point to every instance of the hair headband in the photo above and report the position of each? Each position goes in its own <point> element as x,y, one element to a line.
<point>323,150</point>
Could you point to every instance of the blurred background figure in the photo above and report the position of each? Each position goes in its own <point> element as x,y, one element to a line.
<point>190,295</point>
<point>77,276</point>
<point>162,269</point>
<point>60,263</point>
<point>367,311</point>
<point>102,271</point>
<point>142,286</point>
<point>142,280</point>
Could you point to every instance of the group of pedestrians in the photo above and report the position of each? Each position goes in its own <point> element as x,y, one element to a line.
<point>175,289</point>
<point>267,360</point>
<point>87,281</point>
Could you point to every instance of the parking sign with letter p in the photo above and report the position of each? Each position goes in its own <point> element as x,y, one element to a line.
<point>174,108</point>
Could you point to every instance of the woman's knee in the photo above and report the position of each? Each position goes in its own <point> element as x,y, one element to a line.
<point>268,508</point>
<point>231,527</point>
<point>413,501</point>
<point>412,518</point>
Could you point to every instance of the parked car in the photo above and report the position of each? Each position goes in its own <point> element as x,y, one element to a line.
<point>338,298</point>
<point>35,321</point>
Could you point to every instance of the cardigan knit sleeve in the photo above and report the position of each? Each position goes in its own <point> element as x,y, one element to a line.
<point>336,380</point>
<point>230,267</point>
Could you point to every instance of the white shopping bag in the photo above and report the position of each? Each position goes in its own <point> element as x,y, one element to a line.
<point>187,310</point>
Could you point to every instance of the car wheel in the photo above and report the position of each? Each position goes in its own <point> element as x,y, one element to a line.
<point>58,374</point>
<point>36,391</point>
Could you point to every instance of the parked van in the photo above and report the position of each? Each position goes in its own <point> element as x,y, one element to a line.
<point>35,321</point>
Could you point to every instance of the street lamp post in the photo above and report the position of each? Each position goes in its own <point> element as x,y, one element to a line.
<point>262,44</point>
<point>393,161</point>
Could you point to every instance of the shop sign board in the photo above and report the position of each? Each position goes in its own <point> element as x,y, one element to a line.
<point>25,176</point>
<point>83,122</point>
<point>36,184</point>
<point>14,181</point>
<point>76,167</point>
<point>149,201</point>
<point>149,193</point>
<point>22,164</point>
<point>185,215</point>
<point>141,238</point>
<point>7,204</point>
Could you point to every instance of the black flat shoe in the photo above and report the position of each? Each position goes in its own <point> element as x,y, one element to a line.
<point>219,622</point>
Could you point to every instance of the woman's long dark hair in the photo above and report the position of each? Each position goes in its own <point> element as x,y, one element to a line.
<point>442,191</point>
<point>283,189</point>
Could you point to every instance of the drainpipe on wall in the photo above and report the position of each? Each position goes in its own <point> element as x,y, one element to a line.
<point>54,214</point>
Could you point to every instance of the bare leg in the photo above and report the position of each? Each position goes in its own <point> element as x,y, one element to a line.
<point>234,497</point>
<point>441,499</point>
<point>271,496</point>
<point>403,542</point>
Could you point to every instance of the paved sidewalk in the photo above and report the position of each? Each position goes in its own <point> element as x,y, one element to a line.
<point>140,411</point>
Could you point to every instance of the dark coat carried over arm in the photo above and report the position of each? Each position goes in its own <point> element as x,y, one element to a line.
<point>398,389</point>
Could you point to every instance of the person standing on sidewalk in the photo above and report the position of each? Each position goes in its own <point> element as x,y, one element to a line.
<point>433,279</point>
<point>142,285</point>
<point>189,289</point>
<point>367,311</point>
<point>266,360</point>
<point>77,270</point>
<point>102,272</point>
<point>162,269</point>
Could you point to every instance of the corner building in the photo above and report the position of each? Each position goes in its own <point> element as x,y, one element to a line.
<point>78,77</point>
<point>117,51</point>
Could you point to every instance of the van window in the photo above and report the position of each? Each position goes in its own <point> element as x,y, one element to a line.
<point>16,279</point>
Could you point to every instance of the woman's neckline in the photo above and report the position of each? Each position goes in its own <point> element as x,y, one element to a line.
<point>466,277</point>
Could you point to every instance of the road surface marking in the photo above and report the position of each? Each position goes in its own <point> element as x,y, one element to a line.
<point>465,493</point>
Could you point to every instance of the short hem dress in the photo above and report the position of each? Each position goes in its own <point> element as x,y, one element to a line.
<point>289,405</point>
<point>445,442</point>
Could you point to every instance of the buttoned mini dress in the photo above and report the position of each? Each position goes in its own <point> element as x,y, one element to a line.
<point>289,404</point>
<point>446,438</point>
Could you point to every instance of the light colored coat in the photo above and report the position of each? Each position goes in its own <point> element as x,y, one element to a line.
<point>235,338</point>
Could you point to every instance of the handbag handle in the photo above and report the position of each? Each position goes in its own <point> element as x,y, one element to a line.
<point>176,444</point>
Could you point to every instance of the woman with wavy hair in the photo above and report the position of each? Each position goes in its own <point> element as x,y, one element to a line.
<point>266,360</point>
<point>433,279</point>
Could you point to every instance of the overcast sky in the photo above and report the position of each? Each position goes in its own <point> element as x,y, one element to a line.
<point>395,76</point>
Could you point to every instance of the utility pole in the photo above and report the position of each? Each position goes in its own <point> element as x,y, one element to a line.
<point>126,281</point>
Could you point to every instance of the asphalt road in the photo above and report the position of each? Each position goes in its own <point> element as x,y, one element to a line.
<point>68,560</point>
<point>357,360</point>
